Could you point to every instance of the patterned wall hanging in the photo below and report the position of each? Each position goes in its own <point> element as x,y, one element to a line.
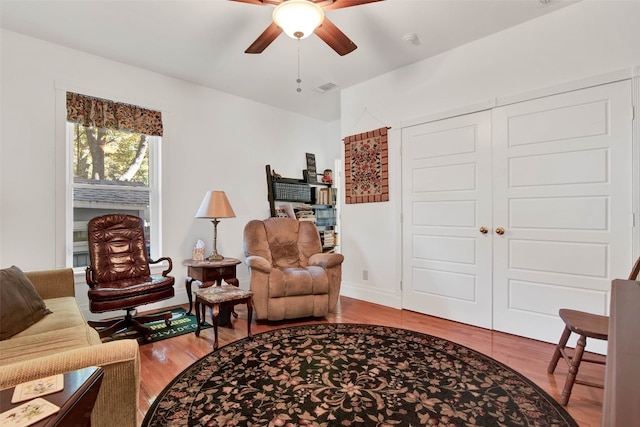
<point>366,167</point>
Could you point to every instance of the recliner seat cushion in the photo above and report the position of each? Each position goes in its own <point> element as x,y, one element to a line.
<point>298,281</point>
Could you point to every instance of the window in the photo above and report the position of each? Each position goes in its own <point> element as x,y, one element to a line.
<point>112,170</point>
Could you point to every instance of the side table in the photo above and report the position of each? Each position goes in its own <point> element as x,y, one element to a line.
<point>216,295</point>
<point>209,273</point>
<point>75,400</point>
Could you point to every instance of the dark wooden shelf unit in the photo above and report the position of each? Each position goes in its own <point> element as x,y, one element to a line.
<point>298,191</point>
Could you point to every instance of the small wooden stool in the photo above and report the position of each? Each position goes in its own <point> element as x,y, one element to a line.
<point>213,297</point>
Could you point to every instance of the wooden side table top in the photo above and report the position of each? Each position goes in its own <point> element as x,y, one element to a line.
<point>209,273</point>
<point>227,262</point>
<point>75,400</point>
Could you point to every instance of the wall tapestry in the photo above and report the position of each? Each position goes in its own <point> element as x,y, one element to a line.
<point>366,167</point>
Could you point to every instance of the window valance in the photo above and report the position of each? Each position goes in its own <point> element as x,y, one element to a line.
<point>103,113</point>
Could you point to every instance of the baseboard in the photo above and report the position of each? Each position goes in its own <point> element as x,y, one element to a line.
<point>376,296</point>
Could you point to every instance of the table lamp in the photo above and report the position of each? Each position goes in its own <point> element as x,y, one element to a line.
<point>215,205</point>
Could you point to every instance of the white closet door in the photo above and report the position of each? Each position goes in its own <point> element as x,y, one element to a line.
<point>562,193</point>
<point>446,193</point>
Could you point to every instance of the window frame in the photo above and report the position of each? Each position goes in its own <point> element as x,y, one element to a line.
<point>65,184</point>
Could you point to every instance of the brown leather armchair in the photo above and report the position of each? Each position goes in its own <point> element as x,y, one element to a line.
<point>289,275</point>
<point>119,276</point>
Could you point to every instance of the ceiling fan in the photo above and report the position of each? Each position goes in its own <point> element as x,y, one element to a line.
<point>299,18</point>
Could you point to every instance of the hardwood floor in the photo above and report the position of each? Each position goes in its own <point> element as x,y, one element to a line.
<point>163,360</point>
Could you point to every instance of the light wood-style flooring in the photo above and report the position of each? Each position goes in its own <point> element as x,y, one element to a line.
<point>163,360</point>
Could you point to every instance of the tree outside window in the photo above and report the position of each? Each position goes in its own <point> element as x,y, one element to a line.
<point>111,174</point>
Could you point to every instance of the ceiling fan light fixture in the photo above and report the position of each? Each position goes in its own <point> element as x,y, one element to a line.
<point>298,18</point>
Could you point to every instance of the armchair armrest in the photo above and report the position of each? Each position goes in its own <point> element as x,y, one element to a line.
<point>258,263</point>
<point>327,260</point>
<point>117,402</point>
<point>165,272</point>
<point>88,277</point>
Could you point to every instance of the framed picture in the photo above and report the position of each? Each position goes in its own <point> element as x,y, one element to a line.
<point>312,173</point>
<point>366,167</point>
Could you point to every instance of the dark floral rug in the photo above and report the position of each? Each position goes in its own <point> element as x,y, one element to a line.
<point>351,375</point>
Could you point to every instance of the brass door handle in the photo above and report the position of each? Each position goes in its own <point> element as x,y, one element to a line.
<point>500,231</point>
<point>484,230</point>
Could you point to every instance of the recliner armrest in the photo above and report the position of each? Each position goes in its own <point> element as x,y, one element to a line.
<point>259,263</point>
<point>327,260</point>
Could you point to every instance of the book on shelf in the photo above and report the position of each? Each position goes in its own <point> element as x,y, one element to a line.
<point>305,213</point>
<point>325,196</point>
<point>328,239</point>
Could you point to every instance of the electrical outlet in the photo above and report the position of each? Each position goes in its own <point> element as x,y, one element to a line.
<point>365,274</point>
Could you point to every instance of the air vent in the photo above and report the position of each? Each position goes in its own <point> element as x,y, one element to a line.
<point>325,87</point>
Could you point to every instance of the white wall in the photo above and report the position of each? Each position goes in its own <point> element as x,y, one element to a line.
<point>578,42</point>
<point>217,141</point>
<point>212,140</point>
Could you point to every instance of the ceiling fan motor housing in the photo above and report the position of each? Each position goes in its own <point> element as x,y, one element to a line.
<point>298,18</point>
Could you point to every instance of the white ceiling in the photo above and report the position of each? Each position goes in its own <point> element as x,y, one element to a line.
<point>203,41</point>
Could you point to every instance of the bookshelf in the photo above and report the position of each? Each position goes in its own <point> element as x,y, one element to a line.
<point>311,201</point>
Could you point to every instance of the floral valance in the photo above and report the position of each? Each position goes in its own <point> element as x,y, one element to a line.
<point>103,113</point>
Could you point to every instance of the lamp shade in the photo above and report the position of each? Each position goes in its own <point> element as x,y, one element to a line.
<point>215,205</point>
<point>298,18</point>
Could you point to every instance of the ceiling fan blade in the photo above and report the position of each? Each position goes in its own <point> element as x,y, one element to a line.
<point>265,39</point>
<point>341,4</point>
<point>335,38</point>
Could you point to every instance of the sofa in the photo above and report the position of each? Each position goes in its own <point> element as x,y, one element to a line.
<point>61,341</point>
<point>290,276</point>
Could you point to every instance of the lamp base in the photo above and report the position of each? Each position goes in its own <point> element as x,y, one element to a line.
<point>215,257</point>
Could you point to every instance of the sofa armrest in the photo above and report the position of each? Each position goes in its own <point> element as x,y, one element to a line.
<point>55,283</point>
<point>327,260</point>
<point>259,263</point>
<point>117,403</point>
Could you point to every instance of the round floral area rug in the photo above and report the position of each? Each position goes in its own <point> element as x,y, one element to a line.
<point>351,375</point>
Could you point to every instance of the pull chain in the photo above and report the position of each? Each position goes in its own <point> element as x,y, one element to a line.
<point>298,89</point>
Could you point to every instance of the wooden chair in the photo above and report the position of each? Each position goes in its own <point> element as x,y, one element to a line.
<point>587,325</point>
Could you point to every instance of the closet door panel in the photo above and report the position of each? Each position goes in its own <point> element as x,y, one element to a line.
<point>562,193</point>
<point>446,193</point>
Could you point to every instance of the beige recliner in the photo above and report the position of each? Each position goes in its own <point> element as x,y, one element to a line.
<point>290,276</point>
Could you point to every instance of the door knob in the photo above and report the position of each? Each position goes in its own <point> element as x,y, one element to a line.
<point>484,230</point>
<point>500,231</point>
